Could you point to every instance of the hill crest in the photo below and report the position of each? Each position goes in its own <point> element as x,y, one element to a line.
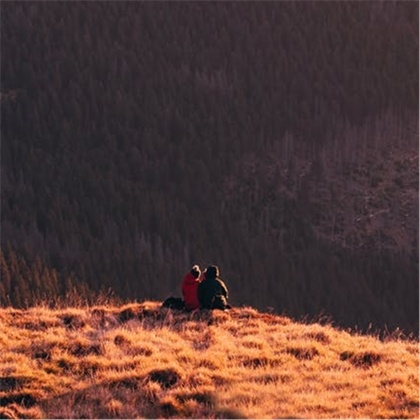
<point>141,360</point>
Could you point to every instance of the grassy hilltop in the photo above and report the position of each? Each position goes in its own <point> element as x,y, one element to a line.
<point>139,360</point>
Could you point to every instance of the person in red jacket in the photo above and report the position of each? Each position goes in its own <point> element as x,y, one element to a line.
<point>189,288</point>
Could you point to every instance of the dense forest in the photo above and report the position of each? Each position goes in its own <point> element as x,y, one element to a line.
<point>278,140</point>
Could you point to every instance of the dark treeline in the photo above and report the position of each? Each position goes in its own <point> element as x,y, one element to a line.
<point>26,283</point>
<point>275,139</point>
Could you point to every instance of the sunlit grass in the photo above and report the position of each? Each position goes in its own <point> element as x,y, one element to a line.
<point>140,360</point>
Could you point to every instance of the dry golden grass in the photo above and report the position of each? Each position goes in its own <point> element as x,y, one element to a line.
<point>140,360</point>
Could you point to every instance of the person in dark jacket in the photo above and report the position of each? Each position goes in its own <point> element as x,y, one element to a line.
<point>212,291</point>
<point>189,288</point>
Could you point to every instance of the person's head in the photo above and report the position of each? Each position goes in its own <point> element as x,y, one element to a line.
<point>195,271</point>
<point>212,271</point>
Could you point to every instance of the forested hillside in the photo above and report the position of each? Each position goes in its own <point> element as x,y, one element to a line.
<point>278,140</point>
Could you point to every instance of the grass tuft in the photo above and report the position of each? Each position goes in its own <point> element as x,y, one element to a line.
<point>303,353</point>
<point>80,349</point>
<point>73,321</point>
<point>7,413</point>
<point>362,360</point>
<point>26,399</point>
<point>167,378</point>
<point>12,383</point>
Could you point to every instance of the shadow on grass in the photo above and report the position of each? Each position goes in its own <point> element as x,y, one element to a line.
<point>137,397</point>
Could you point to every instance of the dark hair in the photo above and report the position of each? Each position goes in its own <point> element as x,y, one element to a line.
<point>195,271</point>
<point>212,271</point>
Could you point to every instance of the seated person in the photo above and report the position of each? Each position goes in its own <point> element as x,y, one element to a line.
<point>189,288</point>
<point>212,291</point>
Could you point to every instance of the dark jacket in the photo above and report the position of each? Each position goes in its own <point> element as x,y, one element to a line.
<point>212,293</point>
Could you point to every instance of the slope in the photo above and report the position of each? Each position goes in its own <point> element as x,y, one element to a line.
<point>139,360</point>
<point>275,139</point>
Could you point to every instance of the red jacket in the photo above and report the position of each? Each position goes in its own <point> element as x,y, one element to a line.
<point>189,292</point>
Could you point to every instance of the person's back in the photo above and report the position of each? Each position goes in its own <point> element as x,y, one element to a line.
<point>212,292</point>
<point>189,288</point>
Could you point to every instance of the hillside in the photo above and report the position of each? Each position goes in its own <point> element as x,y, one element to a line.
<point>277,140</point>
<point>139,360</point>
